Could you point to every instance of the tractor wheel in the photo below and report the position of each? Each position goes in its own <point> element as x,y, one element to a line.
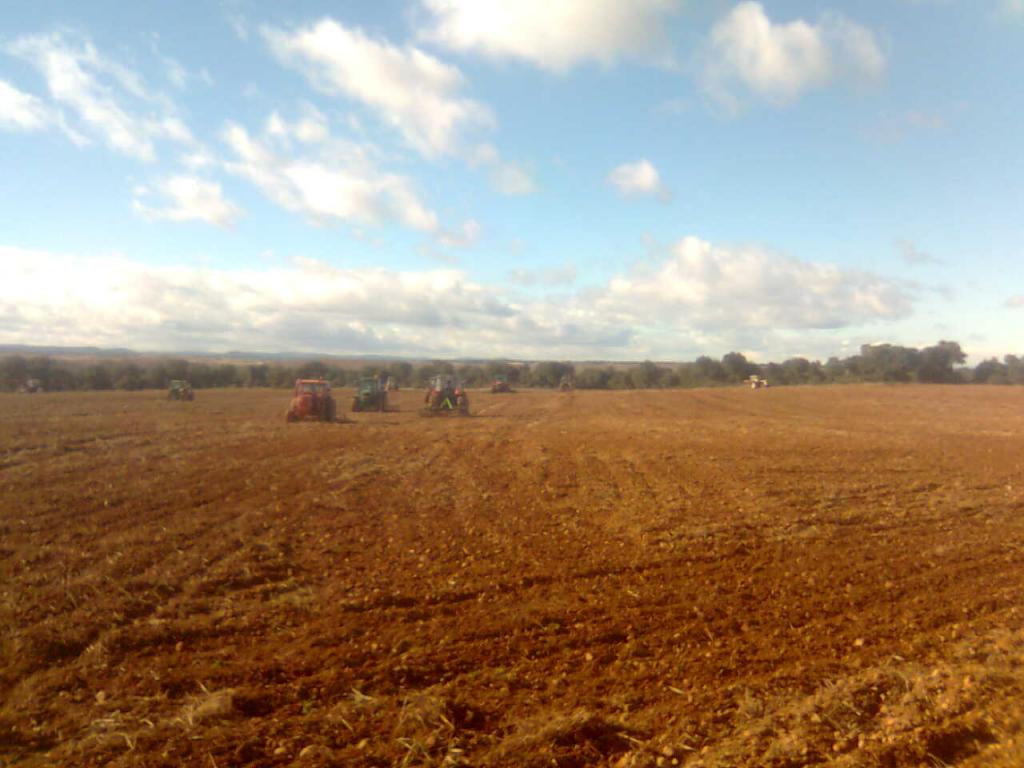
<point>462,404</point>
<point>291,417</point>
<point>329,411</point>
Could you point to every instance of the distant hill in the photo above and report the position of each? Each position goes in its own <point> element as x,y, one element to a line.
<point>32,350</point>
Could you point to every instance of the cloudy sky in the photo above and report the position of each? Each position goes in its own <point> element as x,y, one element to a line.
<point>584,179</point>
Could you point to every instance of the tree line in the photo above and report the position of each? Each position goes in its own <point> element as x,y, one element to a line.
<point>940,363</point>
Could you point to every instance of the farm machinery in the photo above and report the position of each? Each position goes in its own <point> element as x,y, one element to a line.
<point>179,389</point>
<point>446,397</point>
<point>756,382</point>
<point>567,384</point>
<point>371,395</point>
<point>312,401</point>
<point>31,387</point>
<point>500,384</point>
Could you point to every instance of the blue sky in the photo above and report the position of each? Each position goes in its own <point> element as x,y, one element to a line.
<point>585,179</point>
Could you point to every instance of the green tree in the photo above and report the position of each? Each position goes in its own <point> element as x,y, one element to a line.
<point>935,364</point>
<point>708,371</point>
<point>312,369</point>
<point>97,377</point>
<point>549,374</point>
<point>737,368</point>
<point>647,375</point>
<point>593,378</point>
<point>990,371</point>
<point>258,375</point>
<point>13,372</point>
<point>130,377</point>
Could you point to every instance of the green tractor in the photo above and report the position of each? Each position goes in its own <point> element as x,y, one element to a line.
<point>371,395</point>
<point>180,390</point>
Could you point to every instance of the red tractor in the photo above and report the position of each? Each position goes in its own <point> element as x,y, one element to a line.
<point>500,384</point>
<point>312,401</point>
<point>445,397</point>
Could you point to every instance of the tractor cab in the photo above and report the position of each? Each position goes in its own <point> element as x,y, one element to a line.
<point>179,389</point>
<point>312,387</point>
<point>443,381</point>
<point>446,395</point>
<point>371,395</point>
<point>500,384</point>
<point>31,387</point>
<point>311,400</point>
<point>369,385</point>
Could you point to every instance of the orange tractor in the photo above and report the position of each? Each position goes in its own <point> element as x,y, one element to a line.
<point>312,401</point>
<point>446,397</point>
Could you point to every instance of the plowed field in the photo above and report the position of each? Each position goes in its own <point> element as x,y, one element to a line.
<point>784,577</point>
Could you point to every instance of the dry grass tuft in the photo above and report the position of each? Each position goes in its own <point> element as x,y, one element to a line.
<point>575,738</point>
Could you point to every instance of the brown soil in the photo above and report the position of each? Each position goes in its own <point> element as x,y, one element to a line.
<point>780,577</point>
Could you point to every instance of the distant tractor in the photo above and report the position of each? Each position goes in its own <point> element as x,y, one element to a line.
<point>179,389</point>
<point>390,384</point>
<point>31,387</point>
<point>446,397</point>
<point>312,401</point>
<point>371,395</point>
<point>756,382</point>
<point>500,384</point>
<point>566,384</point>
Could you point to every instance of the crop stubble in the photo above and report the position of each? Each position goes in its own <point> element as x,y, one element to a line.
<point>705,577</point>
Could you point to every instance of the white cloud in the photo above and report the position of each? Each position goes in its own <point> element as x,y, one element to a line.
<point>638,179</point>
<point>412,91</point>
<point>22,111</point>
<point>552,34</point>
<point>337,181</point>
<point>176,73</point>
<point>780,61</point>
<point>311,128</point>
<point>914,255</point>
<point>307,305</point>
<point>96,89</point>
<point>709,287</point>
<point>235,19</point>
<point>466,237</point>
<point>510,179</point>
<point>189,199</point>
<point>699,298</point>
<point>562,275</point>
<point>1014,8</point>
<point>909,123</point>
<point>198,160</point>
<point>507,178</point>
